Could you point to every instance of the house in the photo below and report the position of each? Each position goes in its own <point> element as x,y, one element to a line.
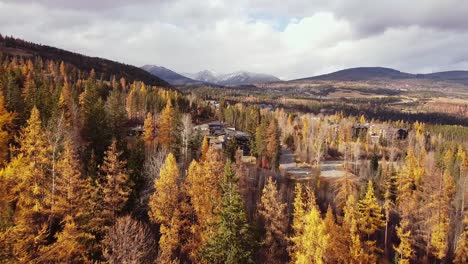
<point>360,129</point>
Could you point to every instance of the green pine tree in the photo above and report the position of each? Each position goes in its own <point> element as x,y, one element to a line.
<point>232,241</point>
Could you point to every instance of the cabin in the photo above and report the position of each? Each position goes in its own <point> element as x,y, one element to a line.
<point>360,129</point>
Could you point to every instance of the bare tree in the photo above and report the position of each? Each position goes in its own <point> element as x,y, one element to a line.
<point>129,241</point>
<point>151,168</point>
<point>186,132</point>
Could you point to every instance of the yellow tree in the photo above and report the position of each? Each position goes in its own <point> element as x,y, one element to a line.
<point>441,218</point>
<point>350,227</point>
<point>149,132</point>
<point>461,251</point>
<point>370,220</point>
<point>203,188</point>
<point>274,216</point>
<point>69,247</point>
<point>33,204</point>
<point>204,148</point>
<point>167,126</point>
<point>164,208</point>
<point>310,239</point>
<point>6,121</point>
<point>404,250</point>
<point>298,223</point>
<point>337,251</point>
<point>116,187</point>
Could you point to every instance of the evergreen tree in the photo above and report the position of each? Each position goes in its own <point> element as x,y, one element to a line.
<point>69,247</point>
<point>149,132</point>
<point>273,144</point>
<point>370,220</point>
<point>404,250</point>
<point>168,127</point>
<point>204,148</point>
<point>461,251</point>
<point>115,187</point>
<point>164,208</point>
<point>6,122</point>
<point>337,251</point>
<point>275,221</point>
<point>231,241</point>
<point>34,191</point>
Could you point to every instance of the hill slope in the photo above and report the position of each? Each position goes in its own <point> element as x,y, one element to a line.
<point>381,73</point>
<point>102,66</point>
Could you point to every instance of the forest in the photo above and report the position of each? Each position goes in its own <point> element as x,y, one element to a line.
<point>77,187</point>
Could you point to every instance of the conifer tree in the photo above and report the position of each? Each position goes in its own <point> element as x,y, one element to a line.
<point>274,216</point>
<point>164,208</point>
<point>231,241</point>
<point>167,127</point>
<point>404,250</point>
<point>356,250</point>
<point>337,251</point>
<point>461,250</point>
<point>297,222</point>
<point>310,239</point>
<point>115,187</point>
<point>149,132</point>
<point>33,205</point>
<point>69,247</point>
<point>272,144</point>
<point>203,189</point>
<point>6,121</point>
<point>204,148</point>
<point>370,220</point>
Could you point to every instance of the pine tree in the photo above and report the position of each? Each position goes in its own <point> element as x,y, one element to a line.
<point>167,127</point>
<point>203,189</point>
<point>404,250</point>
<point>272,144</point>
<point>69,247</point>
<point>164,208</point>
<point>337,251</point>
<point>115,187</point>
<point>275,221</point>
<point>231,241</point>
<point>71,189</point>
<point>6,122</point>
<point>297,222</point>
<point>370,220</point>
<point>33,205</point>
<point>204,148</point>
<point>310,239</point>
<point>149,132</point>
<point>356,251</point>
<point>461,251</point>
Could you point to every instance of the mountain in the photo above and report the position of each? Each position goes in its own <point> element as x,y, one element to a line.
<point>169,76</point>
<point>233,79</point>
<point>381,73</point>
<point>103,67</point>
<point>360,74</point>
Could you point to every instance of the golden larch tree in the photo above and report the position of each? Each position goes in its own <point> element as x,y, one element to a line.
<point>273,213</point>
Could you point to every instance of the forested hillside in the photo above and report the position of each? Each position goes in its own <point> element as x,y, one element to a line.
<point>96,169</point>
<point>104,68</point>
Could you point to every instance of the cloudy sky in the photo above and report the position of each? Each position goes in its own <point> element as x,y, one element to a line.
<point>290,39</point>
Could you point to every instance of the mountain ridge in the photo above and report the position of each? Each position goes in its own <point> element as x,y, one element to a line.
<point>383,73</point>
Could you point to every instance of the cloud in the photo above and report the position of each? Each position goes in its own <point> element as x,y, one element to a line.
<point>303,38</point>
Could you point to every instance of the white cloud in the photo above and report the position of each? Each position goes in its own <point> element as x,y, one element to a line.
<point>298,40</point>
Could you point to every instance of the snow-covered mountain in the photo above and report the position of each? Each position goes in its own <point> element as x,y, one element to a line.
<point>232,79</point>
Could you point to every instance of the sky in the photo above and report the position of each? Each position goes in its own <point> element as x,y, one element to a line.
<point>289,39</point>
